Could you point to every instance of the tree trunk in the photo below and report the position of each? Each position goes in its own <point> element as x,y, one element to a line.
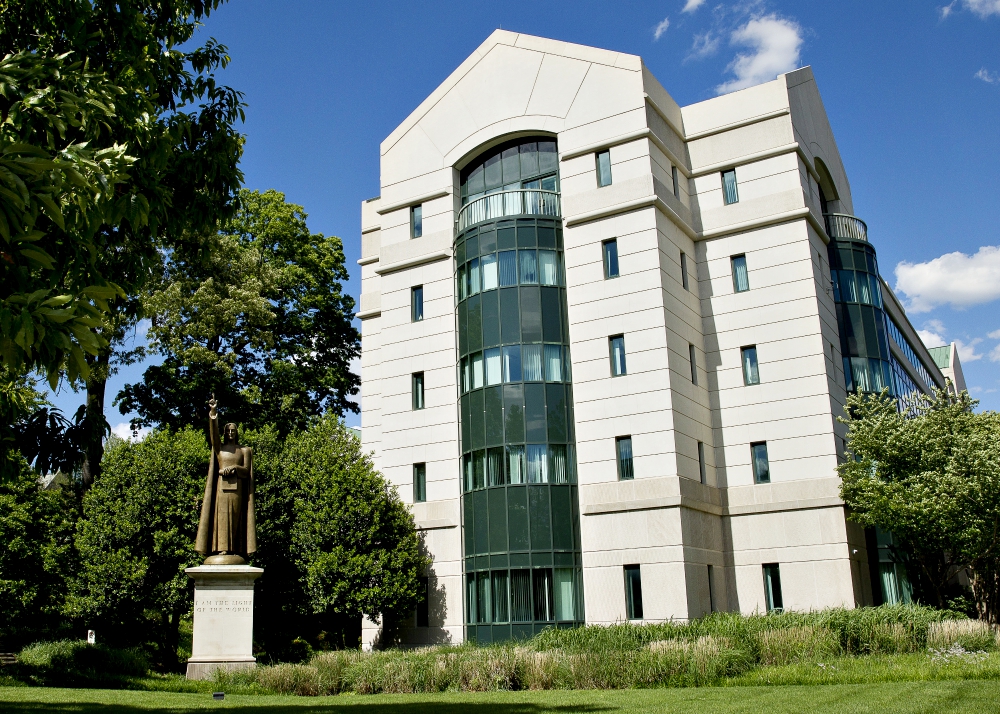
<point>96,426</point>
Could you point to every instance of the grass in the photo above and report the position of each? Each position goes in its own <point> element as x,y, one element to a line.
<point>981,697</point>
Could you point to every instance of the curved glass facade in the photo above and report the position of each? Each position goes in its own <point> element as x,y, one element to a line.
<point>520,509</point>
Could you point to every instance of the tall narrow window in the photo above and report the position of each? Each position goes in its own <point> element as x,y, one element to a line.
<point>610,258</point>
<point>423,606</point>
<point>711,595</point>
<point>761,467</point>
<point>417,303</point>
<point>684,271</point>
<point>702,468</point>
<point>772,588</point>
<point>623,450</point>
<point>416,221</point>
<point>692,358</point>
<point>418,390</point>
<point>617,345</point>
<point>633,592</point>
<point>677,183</point>
<point>729,193</point>
<point>603,168</point>
<point>748,356</point>
<point>741,281</point>
<point>419,483</point>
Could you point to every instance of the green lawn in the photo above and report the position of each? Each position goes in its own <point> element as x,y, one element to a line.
<point>979,696</point>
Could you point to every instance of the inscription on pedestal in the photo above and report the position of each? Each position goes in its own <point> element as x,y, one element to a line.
<point>224,605</point>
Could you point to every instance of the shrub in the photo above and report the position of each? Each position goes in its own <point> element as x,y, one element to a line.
<point>973,635</point>
<point>76,663</point>
<point>796,644</point>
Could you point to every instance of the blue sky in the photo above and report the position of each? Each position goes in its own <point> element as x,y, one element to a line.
<point>912,90</point>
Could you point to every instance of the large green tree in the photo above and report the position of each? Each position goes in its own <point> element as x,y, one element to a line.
<point>261,321</point>
<point>931,476</point>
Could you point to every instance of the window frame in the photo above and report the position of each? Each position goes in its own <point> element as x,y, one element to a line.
<point>611,355</point>
<point>417,391</point>
<point>606,258</point>
<point>601,183</point>
<point>685,282</point>
<point>746,272</point>
<point>702,465</point>
<point>420,483</point>
<point>757,478</point>
<point>772,577</point>
<point>417,291</point>
<point>750,380</point>
<point>633,591</point>
<point>417,221</point>
<point>693,359</point>
<point>732,185</point>
<point>625,464</point>
<point>674,174</point>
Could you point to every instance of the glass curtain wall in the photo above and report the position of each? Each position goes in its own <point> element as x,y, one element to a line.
<point>520,512</point>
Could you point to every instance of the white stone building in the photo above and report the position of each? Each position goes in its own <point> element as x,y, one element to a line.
<point>604,346</point>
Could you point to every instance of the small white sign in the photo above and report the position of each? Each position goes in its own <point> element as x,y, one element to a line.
<point>91,637</point>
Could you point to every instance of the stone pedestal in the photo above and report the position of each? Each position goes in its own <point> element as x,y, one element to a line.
<point>223,618</point>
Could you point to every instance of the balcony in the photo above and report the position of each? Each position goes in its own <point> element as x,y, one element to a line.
<point>843,226</point>
<point>504,204</point>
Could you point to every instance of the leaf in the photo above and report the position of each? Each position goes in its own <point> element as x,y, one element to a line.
<point>38,256</point>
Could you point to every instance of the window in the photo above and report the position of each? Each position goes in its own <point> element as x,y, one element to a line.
<point>729,193</point>
<point>741,281</point>
<point>423,607</point>
<point>711,595</point>
<point>633,592</point>
<point>761,467</point>
<point>694,364</point>
<point>702,469</point>
<point>617,343</point>
<point>623,451</point>
<point>418,390</point>
<point>419,483</point>
<point>772,588</point>
<point>610,258</point>
<point>417,303</point>
<point>748,356</point>
<point>684,271</point>
<point>416,221</point>
<point>603,168</point>
<point>677,183</point>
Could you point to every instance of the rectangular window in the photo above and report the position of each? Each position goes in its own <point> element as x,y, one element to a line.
<point>418,390</point>
<point>416,221</point>
<point>610,258</point>
<point>677,183</point>
<point>748,356</point>
<point>741,281</point>
<point>772,588</point>
<point>423,607</point>
<point>419,483</point>
<point>617,345</point>
<point>603,168</point>
<point>623,451</point>
<point>729,193</point>
<point>702,468</point>
<point>684,271</point>
<point>711,595</point>
<point>761,467</point>
<point>633,592</point>
<point>692,358</point>
<point>417,303</point>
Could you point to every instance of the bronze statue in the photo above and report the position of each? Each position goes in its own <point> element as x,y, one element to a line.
<point>227,531</point>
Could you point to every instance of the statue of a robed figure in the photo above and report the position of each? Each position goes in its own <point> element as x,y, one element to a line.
<point>227,531</point>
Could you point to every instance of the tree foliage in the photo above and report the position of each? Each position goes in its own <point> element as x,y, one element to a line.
<point>262,322</point>
<point>932,478</point>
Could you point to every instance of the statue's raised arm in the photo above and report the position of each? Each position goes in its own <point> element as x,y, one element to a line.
<point>213,425</point>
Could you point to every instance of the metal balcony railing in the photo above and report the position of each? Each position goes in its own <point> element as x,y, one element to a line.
<point>520,202</point>
<point>842,225</point>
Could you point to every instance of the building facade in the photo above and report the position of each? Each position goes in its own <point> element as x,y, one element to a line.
<point>605,343</point>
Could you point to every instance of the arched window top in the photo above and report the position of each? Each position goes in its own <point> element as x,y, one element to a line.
<point>527,162</point>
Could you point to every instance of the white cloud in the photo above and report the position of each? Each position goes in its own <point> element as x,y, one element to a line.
<point>954,279</point>
<point>995,354</point>
<point>704,45</point>
<point>124,431</point>
<point>933,335</point>
<point>775,44</point>
<point>947,9</point>
<point>995,335</point>
<point>692,5</point>
<point>967,350</point>
<point>985,75</point>
<point>660,29</point>
<point>983,8</point>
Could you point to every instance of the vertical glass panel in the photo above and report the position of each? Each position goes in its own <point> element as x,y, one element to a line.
<point>419,483</point>
<point>461,288</point>
<point>531,363</point>
<point>512,363</point>
<point>623,448</point>
<point>684,271</point>
<point>475,329</point>
<point>484,606</point>
<point>729,193</point>
<point>417,303</point>
<point>676,182</point>
<point>543,594</point>
<point>555,412</point>
<point>517,518</point>
<point>416,221</point>
<point>741,279</point>
<point>495,475</point>
<point>548,267</point>
<point>487,241</point>
<point>477,370</point>
<point>538,512</point>
<point>501,612</point>
<point>498,518</point>
<point>418,390</point>
<point>761,466</point>
<point>508,268</point>
<point>463,330</point>
<point>506,239</point>
<point>529,159</point>
<point>491,318</point>
<point>479,476</point>
<point>510,317</point>
<point>633,592</point>
<point>476,182</point>
<point>864,288</point>
<point>564,601</point>
<point>494,415</point>
<point>482,520</point>
<point>494,172</point>
<point>526,234</point>
<point>463,375</point>
<point>553,363</point>
<point>471,599</point>
<point>471,244</point>
<point>551,320</point>
<point>603,160</point>
<point>558,469</point>
<point>492,362</point>
<point>617,345</point>
<point>511,165</point>
<point>848,287</point>
<point>529,267</point>
<point>751,374</point>
<point>477,412</point>
<point>489,266</point>
<point>475,277</point>
<point>546,237</point>
<point>772,588</point>
<point>547,159</point>
<point>469,524</point>
<point>549,183</point>
<point>514,413</point>
<point>876,290</point>
<point>534,412</point>
<point>521,607</point>
<point>466,422</point>
<point>538,467</point>
<point>531,315</point>
<point>516,470</point>
<point>835,279</point>
<point>610,258</point>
